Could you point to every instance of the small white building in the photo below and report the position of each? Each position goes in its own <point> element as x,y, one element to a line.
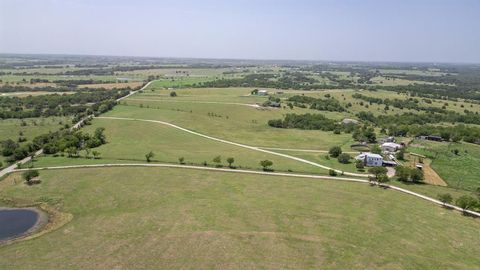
<point>262,92</point>
<point>370,159</point>
<point>390,147</point>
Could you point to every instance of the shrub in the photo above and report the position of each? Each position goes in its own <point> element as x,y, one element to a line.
<point>344,158</point>
<point>445,198</point>
<point>332,172</point>
<point>335,151</point>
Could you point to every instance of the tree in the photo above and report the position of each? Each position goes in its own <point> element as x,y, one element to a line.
<point>332,172</point>
<point>72,151</point>
<point>29,175</point>
<point>402,173</point>
<point>344,158</point>
<point>87,152</point>
<point>416,175</point>
<point>149,156</point>
<point>99,135</point>
<point>377,171</point>
<point>359,164</point>
<point>401,154</point>
<point>181,160</point>
<point>230,161</point>
<point>8,147</point>
<point>376,149</point>
<point>445,198</point>
<point>217,160</point>
<point>382,178</point>
<point>335,151</point>
<point>173,94</point>
<point>266,164</point>
<point>96,154</point>
<point>466,202</point>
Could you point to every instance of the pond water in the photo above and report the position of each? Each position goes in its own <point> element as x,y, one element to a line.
<point>16,222</point>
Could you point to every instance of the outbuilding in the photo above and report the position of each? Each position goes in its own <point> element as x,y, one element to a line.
<point>390,147</point>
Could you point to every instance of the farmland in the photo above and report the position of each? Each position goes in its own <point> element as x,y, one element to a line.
<point>139,217</point>
<point>270,205</point>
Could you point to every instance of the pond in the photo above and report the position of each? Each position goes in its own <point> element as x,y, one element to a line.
<point>15,222</point>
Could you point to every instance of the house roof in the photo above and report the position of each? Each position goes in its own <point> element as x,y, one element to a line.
<point>391,144</point>
<point>368,154</point>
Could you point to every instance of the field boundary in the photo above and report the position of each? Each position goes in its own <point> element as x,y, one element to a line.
<point>308,176</point>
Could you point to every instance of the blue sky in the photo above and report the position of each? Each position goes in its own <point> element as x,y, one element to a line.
<point>348,30</point>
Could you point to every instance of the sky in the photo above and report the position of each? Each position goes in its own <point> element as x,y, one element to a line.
<point>330,30</point>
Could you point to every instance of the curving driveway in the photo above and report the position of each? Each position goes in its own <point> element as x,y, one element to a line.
<point>236,144</point>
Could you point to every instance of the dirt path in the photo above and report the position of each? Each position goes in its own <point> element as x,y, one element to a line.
<point>302,150</point>
<point>198,102</point>
<point>236,144</point>
<point>77,125</point>
<point>258,173</point>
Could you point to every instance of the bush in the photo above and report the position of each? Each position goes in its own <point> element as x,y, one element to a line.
<point>445,198</point>
<point>402,173</point>
<point>173,94</point>
<point>359,164</point>
<point>416,175</point>
<point>29,175</point>
<point>332,172</point>
<point>466,202</point>
<point>344,158</point>
<point>266,164</point>
<point>335,151</point>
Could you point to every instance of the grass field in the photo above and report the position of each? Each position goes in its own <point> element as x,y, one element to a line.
<point>137,218</point>
<point>129,141</point>
<point>459,171</point>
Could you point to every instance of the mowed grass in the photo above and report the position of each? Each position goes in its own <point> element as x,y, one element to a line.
<point>325,159</point>
<point>129,141</point>
<point>131,218</point>
<point>458,170</point>
<point>205,113</point>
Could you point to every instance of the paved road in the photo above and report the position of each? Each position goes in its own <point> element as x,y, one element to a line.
<point>473,213</point>
<point>236,144</point>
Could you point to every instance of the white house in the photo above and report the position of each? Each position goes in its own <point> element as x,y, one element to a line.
<point>370,159</point>
<point>262,92</point>
<point>390,147</point>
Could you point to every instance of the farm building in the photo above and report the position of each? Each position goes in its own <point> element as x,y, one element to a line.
<point>348,121</point>
<point>262,92</point>
<point>259,92</point>
<point>431,138</point>
<point>390,147</point>
<point>370,159</point>
<point>390,139</point>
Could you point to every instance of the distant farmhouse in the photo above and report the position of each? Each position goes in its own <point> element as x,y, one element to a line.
<point>259,92</point>
<point>370,159</point>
